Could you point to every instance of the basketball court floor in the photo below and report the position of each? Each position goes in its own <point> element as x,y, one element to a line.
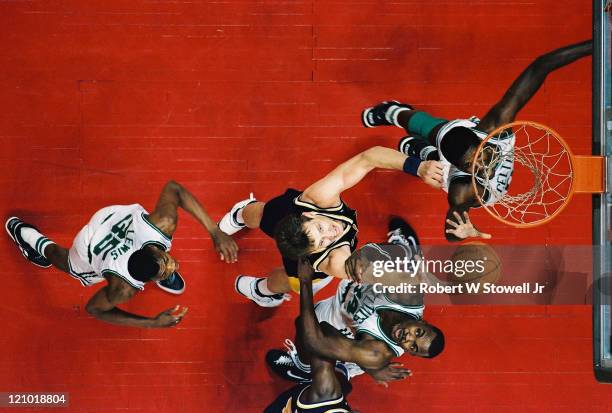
<point>102,102</point>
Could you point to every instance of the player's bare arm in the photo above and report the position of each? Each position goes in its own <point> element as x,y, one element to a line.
<point>369,354</point>
<point>103,306</point>
<point>461,198</point>
<point>325,384</point>
<point>528,83</point>
<point>326,192</point>
<point>165,217</point>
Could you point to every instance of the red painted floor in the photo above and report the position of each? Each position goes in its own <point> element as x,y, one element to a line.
<point>102,101</point>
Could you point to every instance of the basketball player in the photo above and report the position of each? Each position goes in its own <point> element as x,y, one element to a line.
<point>326,391</point>
<point>127,247</point>
<point>315,222</point>
<point>364,328</point>
<point>454,142</point>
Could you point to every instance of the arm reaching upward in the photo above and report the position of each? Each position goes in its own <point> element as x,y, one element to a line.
<point>326,192</point>
<point>332,346</point>
<point>528,83</point>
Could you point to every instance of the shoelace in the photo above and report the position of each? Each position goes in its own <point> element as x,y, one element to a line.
<point>284,361</point>
<point>293,354</point>
<point>396,236</point>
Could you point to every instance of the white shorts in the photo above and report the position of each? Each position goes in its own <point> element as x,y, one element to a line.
<point>78,255</point>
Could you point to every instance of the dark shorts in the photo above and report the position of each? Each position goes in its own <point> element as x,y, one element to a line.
<point>274,211</point>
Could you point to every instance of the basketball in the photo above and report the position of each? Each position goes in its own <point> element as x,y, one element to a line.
<point>475,262</point>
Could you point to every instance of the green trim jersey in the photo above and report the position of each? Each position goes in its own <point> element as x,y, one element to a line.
<point>360,308</point>
<point>503,171</point>
<point>105,244</point>
<point>340,213</point>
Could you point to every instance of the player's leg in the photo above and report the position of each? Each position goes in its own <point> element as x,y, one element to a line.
<point>58,257</point>
<point>403,116</point>
<point>529,81</point>
<point>268,291</point>
<point>243,214</point>
<point>419,147</point>
<point>33,245</point>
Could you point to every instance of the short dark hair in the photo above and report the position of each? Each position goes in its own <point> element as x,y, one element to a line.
<point>291,239</point>
<point>457,144</point>
<point>437,344</point>
<point>143,265</point>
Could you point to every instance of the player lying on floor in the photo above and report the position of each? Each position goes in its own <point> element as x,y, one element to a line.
<point>127,247</point>
<point>454,142</point>
<point>367,330</point>
<point>315,223</point>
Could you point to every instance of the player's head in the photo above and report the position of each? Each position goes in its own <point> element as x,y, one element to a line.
<point>418,338</point>
<point>459,146</point>
<point>151,264</point>
<point>299,235</point>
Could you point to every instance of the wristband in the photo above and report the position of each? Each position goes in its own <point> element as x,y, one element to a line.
<point>411,165</point>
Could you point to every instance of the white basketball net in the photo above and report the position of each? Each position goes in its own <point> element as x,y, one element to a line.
<point>541,178</point>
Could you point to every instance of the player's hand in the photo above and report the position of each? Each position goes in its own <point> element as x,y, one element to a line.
<point>170,317</point>
<point>355,266</point>
<point>463,228</point>
<point>431,172</point>
<point>305,270</point>
<point>392,372</point>
<point>225,246</point>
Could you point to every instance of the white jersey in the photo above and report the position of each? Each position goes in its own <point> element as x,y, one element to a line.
<point>105,244</point>
<point>360,308</point>
<point>503,171</point>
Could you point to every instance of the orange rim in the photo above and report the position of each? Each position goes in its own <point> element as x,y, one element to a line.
<point>490,210</point>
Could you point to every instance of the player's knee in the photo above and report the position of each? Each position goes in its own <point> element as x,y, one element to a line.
<point>252,214</point>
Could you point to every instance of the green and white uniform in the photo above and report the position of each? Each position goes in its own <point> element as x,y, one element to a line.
<point>105,244</point>
<point>502,178</point>
<point>355,309</point>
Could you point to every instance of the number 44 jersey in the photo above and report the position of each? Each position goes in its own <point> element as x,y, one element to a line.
<point>105,244</point>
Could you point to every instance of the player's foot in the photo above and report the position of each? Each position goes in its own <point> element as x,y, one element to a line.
<point>400,232</point>
<point>13,227</point>
<point>247,286</point>
<point>230,224</point>
<point>175,284</point>
<point>383,114</point>
<point>287,364</point>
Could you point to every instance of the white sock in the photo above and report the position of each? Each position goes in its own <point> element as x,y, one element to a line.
<point>392,114</point>
<point>262,287</point>
<point>36,240</point>
<point>239,218</point>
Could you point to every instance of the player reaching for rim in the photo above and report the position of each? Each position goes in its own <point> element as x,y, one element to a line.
<point>455,142</point>
<point>127,247</point>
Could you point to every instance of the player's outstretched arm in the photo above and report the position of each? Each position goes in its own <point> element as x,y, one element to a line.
<point>326,191</point>
<point>461,198</point>
<point>330,346</point>
<point>528,83</point>
<point>325,384</point>
<point>165,217</point>
<point>103,306</point>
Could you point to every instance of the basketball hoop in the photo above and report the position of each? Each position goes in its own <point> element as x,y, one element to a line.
<point>544,174</point>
